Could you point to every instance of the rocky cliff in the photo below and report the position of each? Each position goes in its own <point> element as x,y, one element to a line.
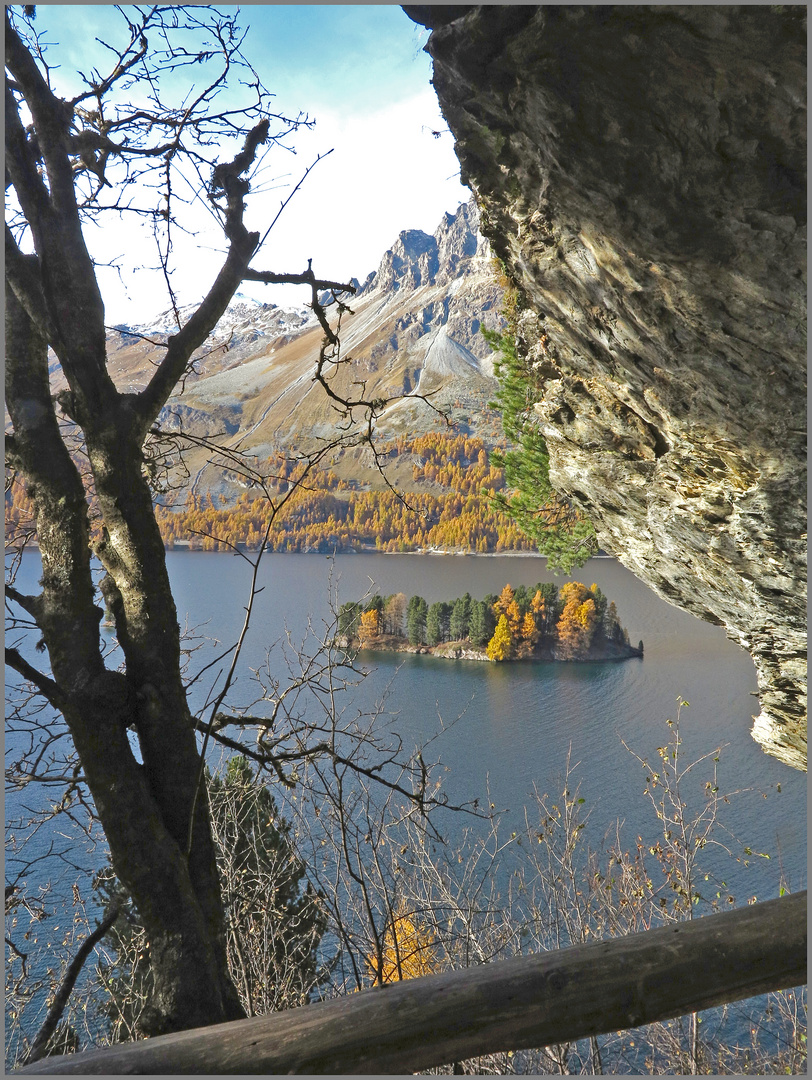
<point>641,171</point>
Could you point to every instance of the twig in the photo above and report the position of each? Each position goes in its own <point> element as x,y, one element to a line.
<point>40,1042</point>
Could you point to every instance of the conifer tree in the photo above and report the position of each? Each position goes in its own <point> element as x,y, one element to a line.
<point>482,623</point>
<point>369,626</point>
<point>611,623</point>
<point>460,618</point>
<point>505,600</point>
<point>529,631</point>
<point>437,622</point>
<point>577,625</point>
<point>416,617</point>
<point>394,612</point>
<point>563,534</point>
<point>349,616</point>
<point>514,618</point>
<point>500,647</point>
<point>520,595</point>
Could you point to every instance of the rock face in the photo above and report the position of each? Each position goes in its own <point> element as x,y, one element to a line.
<point>456,263</point>
<point>641,172</point>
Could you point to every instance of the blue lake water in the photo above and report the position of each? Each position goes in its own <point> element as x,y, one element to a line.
<point>517,722</point>
<point>520,720</point>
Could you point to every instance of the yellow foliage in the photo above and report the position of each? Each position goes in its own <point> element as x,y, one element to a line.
<point>505,600</point>
<point>578,622</point>
<point>369,626</point>
<point>328,513</point>
<point>586,614</point>
<point>500,647</point>
<point>572,591</point>
<point>514,618</point>
<point>409,950</point>
<point>529,630</point>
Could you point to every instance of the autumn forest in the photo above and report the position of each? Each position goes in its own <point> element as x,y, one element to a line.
<point>449,507</point>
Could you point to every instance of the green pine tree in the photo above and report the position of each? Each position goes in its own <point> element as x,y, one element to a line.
<point>559,530</point>
<point>437,622</point>
<point>416,615</point>
<point>482,622</point>
<point>460,618</point>
<point>275,921</point>
<point>349,616</point>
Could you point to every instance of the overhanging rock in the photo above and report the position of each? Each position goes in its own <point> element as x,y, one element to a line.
<point>642,173</point>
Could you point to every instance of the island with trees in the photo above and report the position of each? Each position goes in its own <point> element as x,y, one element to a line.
<point>541,622</point>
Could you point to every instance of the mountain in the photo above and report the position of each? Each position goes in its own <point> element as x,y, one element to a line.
<point>414,330</point>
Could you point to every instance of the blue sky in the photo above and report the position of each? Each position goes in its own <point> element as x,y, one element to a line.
<point>360,71</point>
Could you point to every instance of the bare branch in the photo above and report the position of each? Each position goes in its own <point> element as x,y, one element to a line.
<point>40,1042</point>
<point>307,277</point>
<point>46,686</point>
<point>227,181</point>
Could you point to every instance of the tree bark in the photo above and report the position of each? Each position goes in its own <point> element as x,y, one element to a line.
<point>155,819</point>
<point>53,299</point>
<point>144,809</point>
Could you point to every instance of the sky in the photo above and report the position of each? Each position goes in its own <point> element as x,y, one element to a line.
<point>361,73</point>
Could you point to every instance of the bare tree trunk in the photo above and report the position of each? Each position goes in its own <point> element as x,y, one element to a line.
<point>155,819</point>
<point>144,810</point>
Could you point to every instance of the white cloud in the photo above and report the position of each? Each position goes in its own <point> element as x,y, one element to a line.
<point>387,173</point>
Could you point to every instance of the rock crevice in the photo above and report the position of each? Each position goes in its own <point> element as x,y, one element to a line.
<point>641,173</point>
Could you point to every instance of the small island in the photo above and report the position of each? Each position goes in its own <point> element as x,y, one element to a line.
<point>542,622</point>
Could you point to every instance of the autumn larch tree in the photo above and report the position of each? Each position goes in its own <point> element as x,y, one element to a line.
<point>578,621</point>
<point>500,647</point>
<point>69,161</point>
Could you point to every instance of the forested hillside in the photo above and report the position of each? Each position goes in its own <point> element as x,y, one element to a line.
<point>449,506</point>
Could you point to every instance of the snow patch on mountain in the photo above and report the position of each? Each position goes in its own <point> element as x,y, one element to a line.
<point>244,317</point>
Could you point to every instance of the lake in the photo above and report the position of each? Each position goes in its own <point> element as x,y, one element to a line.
<point>521,719</point>
<point>518,721</point>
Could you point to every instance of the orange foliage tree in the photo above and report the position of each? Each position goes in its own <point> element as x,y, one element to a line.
<point>327,513</point>
<point>578,621</point>
<point>529,635</point>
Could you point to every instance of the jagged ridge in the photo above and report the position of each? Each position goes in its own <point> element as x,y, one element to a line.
<point>415,329</point>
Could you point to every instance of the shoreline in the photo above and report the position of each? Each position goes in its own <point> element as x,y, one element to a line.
<point>464,650</point>
<point>183,546</point>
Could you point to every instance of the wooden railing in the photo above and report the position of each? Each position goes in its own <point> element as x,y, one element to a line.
<point>529,1001</point>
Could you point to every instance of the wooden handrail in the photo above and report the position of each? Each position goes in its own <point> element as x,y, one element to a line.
<point>529,1001</point>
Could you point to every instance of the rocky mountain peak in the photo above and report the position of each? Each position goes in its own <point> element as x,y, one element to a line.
<point>414,329</point>
<point>417,259</point>
<point>244,315</point>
